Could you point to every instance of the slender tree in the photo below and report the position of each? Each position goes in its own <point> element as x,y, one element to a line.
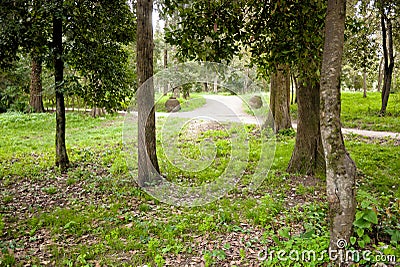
<point>61,151</point>
<point>388,56</point>
<point>147,157</point>
<point>340,168</point>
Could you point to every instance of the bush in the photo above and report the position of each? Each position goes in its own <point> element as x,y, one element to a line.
<point>12,98</point>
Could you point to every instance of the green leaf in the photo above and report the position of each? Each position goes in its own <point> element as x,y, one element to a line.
<point>361,223</point>
<point>366,239</point>
<point>353,240</point>
<point>276,240</point>
<point>360,232</point>
<point>284,232</point>
<point>359,215</point>
<point>370,216</point>
<point>394,234</point>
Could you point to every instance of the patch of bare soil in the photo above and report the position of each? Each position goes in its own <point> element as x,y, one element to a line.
<point>195,127</point>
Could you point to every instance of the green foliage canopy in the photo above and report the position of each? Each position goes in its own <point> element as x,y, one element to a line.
<point>95,35</point>
<point>278,32</point>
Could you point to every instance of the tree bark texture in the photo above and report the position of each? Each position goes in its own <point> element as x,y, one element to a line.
<point>147,156</point>
<point>166,87</point>
<point>280,99</point>
<point>35,89</point>
<point>61,151</point>
<point>365,83</point>
<point>340,168</point>
<point>380,75</point>
<point>388,57</point>
<point>307,156</point>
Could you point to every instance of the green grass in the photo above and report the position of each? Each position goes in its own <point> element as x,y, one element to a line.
<point>363,113</point>
<point>95,214</point>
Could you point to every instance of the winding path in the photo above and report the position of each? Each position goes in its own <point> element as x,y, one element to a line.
<point>229,109</point>
<point>218,108</point>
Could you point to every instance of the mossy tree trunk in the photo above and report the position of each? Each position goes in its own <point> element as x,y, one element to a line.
<point>340,168</point>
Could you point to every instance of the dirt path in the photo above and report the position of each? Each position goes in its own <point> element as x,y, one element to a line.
<point>218,108</point>
<point>229,109</point>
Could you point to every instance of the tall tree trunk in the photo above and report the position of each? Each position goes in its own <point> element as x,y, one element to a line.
<point>296,87</point>
<point>166,87</point>
<point>215,84</point>
<point>147,156</point>
<point>280,99</point>
<point>387,44</point>
<point>364,83</point>
<point>61,151</point>
<point>340,168</point>
<point>35,89</point>
<point>292,85</point>
<point>205,85</point>
<point>380,75</point>
<point>307,156</point>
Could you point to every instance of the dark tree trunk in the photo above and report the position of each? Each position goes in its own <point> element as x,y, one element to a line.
<point>340,168</point>
<point>61,151</point>
<point>280,99</point>
<point>380,75</point>
<point>292,85</point>
<point>387,44</point>
<point>296,88</point>
<point>205,87</point>
<point>185,93</point>
<point>35,89</point>
<point>166,59</point>
<point>147,156</point>
<point>307,156</point>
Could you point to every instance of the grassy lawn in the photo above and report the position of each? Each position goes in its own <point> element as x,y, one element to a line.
<point>362,113</point>
<point>95,215</point>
